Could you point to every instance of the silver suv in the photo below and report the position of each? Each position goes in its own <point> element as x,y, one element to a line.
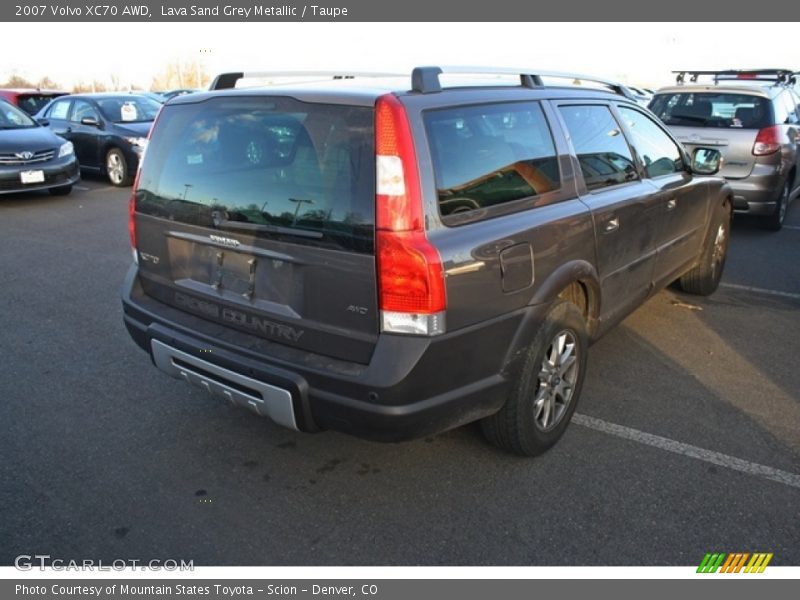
<point>753,118</point>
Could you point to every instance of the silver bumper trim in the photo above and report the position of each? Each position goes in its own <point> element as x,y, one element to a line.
<point>263,399</point>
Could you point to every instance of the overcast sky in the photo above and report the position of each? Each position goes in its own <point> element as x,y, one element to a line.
<point>635,53</point>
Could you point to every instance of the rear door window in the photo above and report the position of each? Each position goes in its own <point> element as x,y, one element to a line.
<point>713,109</point>
<point>59,110</point>
<point>603,153</point>
<point>276,168</point>
<point>490,155</point>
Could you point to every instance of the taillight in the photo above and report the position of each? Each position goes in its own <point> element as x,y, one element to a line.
<point>132,200</point>
<point>132,221</point>
<point>411,290</point>
<point>768,140</point>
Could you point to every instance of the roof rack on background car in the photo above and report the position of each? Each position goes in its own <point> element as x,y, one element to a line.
<point>425,80</point>
<point>777,76</point>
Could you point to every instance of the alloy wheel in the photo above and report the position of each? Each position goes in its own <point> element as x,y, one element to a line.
<point>558,375</point>
<point>115,168</point>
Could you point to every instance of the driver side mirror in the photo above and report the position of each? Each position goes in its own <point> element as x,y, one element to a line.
<point>706,161</point>
<point>90,121</point>
<point>43,122</point>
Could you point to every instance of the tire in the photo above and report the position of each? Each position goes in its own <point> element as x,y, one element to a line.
<point>117,168</point>
<point>522,426</point>
<point>62,190</point>
<point>774,222</point>
<point>704,279</point>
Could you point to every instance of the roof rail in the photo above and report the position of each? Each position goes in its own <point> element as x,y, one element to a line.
<point>777,76</point>
<point>226,81</point>
<point>425,80</point>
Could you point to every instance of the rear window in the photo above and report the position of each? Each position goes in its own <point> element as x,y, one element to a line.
<point>710,109</point>
<point>488,155</point>
<point>33,103</point>
<point>272,167</point>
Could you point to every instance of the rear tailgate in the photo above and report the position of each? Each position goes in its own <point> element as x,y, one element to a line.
<point>258,213</point>
<point>727,120</point>
<point>735,145</point>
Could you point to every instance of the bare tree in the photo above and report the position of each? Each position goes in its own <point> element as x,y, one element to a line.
<point>179,74</point>
<point>45,83</point>
<point>91,86</point>
<point>17,81</point>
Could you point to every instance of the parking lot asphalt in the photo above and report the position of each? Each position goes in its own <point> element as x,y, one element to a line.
<point>687,438</point>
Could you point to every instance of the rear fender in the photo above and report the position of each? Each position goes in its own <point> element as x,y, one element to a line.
<point>546,293</point>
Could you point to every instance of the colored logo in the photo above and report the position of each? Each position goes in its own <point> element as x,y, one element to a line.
<point>735,562</point>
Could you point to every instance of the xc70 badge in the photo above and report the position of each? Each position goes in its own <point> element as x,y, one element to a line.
<point>225,240</point>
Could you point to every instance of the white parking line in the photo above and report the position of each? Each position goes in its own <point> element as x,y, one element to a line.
<point>796,227</point>
<point>748,288</point>
<point>82,188</point>
<point>722,460</point>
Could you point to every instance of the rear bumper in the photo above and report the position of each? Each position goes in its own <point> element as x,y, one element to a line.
<point>412,386</point>
<point>757,194</point>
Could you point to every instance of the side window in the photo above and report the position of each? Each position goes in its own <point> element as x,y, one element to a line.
<point>81,110</point>
<point>489,155</point>
<point>781,111</point>
<point>603,153</point>
<point>789,102</point>
<point>660,155</point>
<point>59,109</point>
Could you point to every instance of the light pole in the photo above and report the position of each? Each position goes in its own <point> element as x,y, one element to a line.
<point>298,201</point>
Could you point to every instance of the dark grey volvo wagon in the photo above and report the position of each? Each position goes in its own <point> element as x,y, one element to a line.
<point>393,256</point>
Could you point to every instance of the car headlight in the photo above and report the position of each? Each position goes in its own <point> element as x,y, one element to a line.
<point>66,149</point>
<point>137,142</point>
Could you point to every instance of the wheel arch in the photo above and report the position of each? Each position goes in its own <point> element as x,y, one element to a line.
<point>575,281</point>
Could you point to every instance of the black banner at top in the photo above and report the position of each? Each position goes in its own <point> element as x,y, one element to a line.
<point>394,11</point>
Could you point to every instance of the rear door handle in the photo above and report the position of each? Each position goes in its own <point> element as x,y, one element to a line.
<point>671,203</point>
<point>611,225</point>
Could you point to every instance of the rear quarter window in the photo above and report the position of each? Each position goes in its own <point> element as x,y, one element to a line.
<point>271,167</point>
<point>490,155</point>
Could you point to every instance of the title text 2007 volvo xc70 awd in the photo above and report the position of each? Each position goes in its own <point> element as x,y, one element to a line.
<point>392,259</point>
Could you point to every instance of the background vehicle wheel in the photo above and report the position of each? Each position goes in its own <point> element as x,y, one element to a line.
<point>62,190</point>
<point>549,383</point>
<point>117,168</point>
<point>775,220</point>
<point>704,279</point>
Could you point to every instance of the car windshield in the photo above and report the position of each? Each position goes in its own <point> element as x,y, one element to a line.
<point>713,109</point>
<point>13,118</point>
<point>128,109</point>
